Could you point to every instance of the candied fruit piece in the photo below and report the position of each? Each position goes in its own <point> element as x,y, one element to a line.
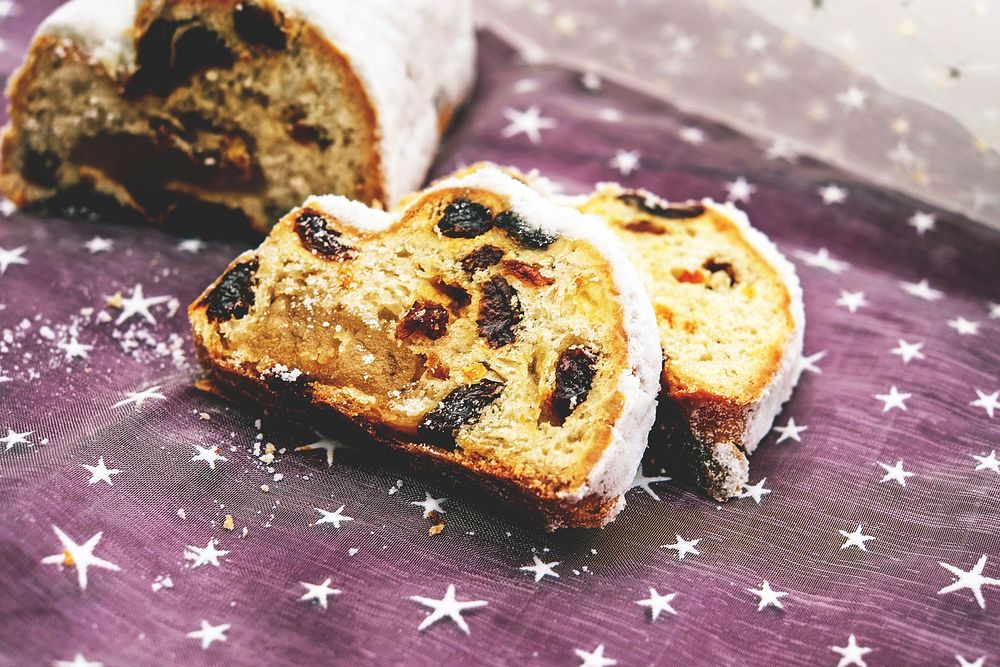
<point>529,274</point>
<point>645,227</point>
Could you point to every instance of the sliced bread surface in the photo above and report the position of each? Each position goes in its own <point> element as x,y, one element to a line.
<point>480,328</point>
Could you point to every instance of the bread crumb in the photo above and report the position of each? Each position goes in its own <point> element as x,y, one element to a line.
<point>181,513</point>
<point>435,529</point>
<point>115,300</point>
<point>204,416</point>
<point>228,523</point>
<point>265,488</point>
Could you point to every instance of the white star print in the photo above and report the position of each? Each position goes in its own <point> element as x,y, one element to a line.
<point>963,326</point>
<point>658,603</point>
<point>683,547</point>
<point>988,402</point>
<point>684,44</point>
<point>740,190</point>
<point>327,445</point>
<point>595,658</point>
<point>908,351</point>
<point>808,364</point>
<point>332,517</point>
<point>100,472</point>
<point>208,555</point>
<point>757,491</point>
<point>922,222</point>
<point>895,473</point>
<point>625,161</point>
<point>7,207</point>
<point>972,579</point>
<point>529,122</point>
<point>781,149</point>
<point>852,300</point>
<point>922,290</point>
<point>894,399</point>
<point>853,99</point>
<point>191,245</point>
<point>14,438</point>
<point>9,8</point>
<point>994,311</point>
<point>541,569</point>
<point>77,661</point>
<point>756,43</point>
<point>692,135</point>
<point>962,662</point>
<point>447,607</point>
<point>852,654</point>
<point>209,455</point>
<point>318,592</point>
<point>140,397</point>
<point>988,462</point>
<point>642,482</point>
<point>855,539</point>
<point>8,257</point>
<point>430,504</point>
<point>832,194</point>
<point>767,596</point>
<point>790,431</point>
<point>74,349</point>
<point>80,556</point>
<point>139,304</point>
<point>98,244</point>
<point>209,633</point>
<point>821,259</point>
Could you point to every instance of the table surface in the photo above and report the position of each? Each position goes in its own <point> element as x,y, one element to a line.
<point>875,509</point>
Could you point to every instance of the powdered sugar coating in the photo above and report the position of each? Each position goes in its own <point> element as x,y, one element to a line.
<point>414,58</point>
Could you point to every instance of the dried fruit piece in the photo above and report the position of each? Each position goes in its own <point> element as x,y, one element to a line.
<point>522,232</point>
<point>458,295</point>
<point>670,211</point>
<point>464,219</point>
<point>499,312</point>
<point>645,227</point>
<point>481,258</point>
<point>529,274</point>
<point>426,318</point>
<point>314,231</point>
<point>303,132</point>
<point>574,375</point>
<point>41,167</point>
<point>259,25</point>
<point>170,52</point>
<point>463,406</point>
<point>233,296</point>
<point>685,276</point>
<point>713,265</point>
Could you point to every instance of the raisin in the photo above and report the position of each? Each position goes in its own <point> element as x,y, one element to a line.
<point>529,274</point>
<point>525,234</point>
<point>169,52</point>
<point>233,296</point>
<point>670,211</point>
<point>41,167</point>
<point>645,227</point>
<point>305,133</point>
<point>481,258</point>
<point>426,318</point>
<point>499,312</point>
<point>457,295</point>
<point>461,407</point>
<point>574,375</point>
<point>712,265</point>
<point>314,231</point>
<point>464,219</point>
<point>260,25</point>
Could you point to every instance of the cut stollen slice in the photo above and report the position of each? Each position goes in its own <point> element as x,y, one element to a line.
<point>731,323</point>
<point>220,115</point>
<point>480,328</point>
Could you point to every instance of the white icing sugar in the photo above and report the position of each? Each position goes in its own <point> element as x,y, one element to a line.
<point>414,58</point>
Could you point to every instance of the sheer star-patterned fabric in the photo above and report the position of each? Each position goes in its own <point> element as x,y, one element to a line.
<point>143,522</point>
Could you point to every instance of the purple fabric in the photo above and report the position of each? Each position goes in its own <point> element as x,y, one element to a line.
<point>887,596</point>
